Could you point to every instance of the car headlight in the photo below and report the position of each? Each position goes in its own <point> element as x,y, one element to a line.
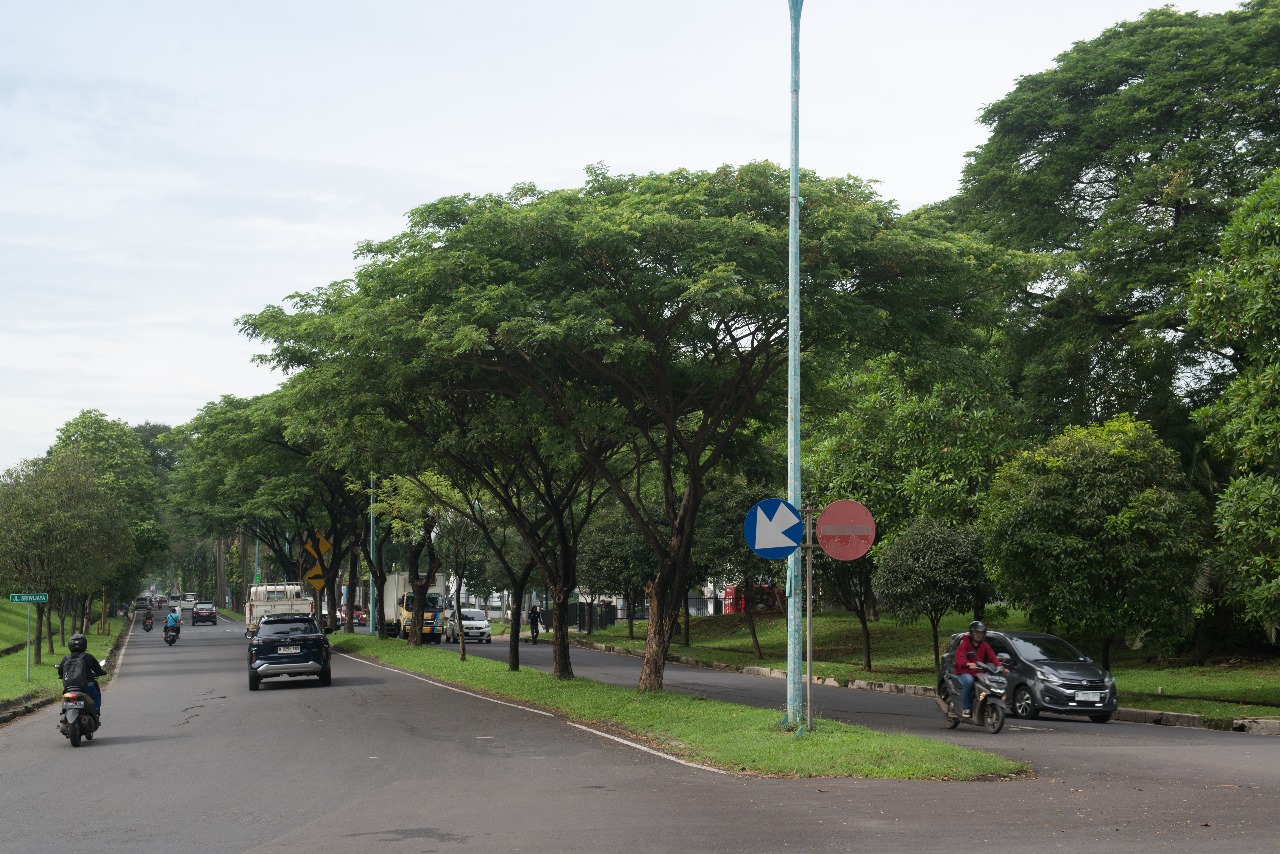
<point>1051,678</point>
<point>1110,681</point>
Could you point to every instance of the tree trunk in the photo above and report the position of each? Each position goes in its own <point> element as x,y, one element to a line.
<point>631,614</point>
<point>40,620</point>
<point>751,620</point>
<point>560,633</point>
<point>1106,654</point>
<point>513,632</point>
<point>686,618</point>
<point>457,619</point>
<point>937,655</point>
<point>380,592</point>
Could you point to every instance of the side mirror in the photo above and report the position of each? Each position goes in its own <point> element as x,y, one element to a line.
<point>328,630</point>
<point>1004,657</point>
<point>248,633</point>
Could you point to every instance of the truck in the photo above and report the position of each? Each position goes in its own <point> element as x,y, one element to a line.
<point>397,607</point>
<point>284,598</point>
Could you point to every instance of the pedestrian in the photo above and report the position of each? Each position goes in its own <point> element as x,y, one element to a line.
<point>535,617</point>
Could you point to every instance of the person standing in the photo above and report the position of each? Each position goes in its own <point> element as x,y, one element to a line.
<point>535,619</point>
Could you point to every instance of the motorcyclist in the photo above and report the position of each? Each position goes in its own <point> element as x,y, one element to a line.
<point>173,622</point>
<point>972,650</point>
<point>78,644</point>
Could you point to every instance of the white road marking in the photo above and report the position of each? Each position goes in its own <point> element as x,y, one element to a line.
<point>609,736</point>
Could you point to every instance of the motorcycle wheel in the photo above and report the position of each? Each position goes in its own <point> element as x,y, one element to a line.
<point>75,735</point>
<point>993,718</point>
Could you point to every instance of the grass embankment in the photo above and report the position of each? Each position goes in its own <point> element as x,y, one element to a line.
<point>723,735</point>
<point>44,680</point>
<point>905,654</point>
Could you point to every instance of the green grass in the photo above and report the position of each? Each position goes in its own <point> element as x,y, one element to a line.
<point>44,679</point>
<point>903,653</point>
<point>723,735</point>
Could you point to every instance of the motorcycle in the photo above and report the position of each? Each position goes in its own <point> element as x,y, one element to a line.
<point>79,718</point>
<point>989,706</point>
<point>146,624</point>
<point>170,635</point>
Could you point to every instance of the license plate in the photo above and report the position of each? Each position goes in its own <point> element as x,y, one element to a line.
<point>75,705</point>
<point>1089,696</point>
<point>289,650</point>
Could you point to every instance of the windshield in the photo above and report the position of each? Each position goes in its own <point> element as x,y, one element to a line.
<point>293,627</point>
<point>1046,649</point>
<point>433,601</point>
<point>472,615</point>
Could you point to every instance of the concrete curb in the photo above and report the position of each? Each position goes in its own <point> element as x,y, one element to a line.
<point>1260,726</point>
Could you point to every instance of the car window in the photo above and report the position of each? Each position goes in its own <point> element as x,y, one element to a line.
<point>1046,648</point>
<point>998,646</point>
<point>472,615</point>
<point>293,627</point>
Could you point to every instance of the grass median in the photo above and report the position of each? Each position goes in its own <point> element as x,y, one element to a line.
<point>710,732</point>
<point>44,680</point>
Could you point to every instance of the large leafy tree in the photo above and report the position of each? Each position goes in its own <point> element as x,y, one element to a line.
<point>1237,304</point>
<point>1124,161</point>
<point>1097,531</point>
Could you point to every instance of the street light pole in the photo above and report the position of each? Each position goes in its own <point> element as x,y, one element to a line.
<point>795,589</point>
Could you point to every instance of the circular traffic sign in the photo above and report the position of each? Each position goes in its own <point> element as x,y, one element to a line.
<point>773,529</point>
<point>846,530</point>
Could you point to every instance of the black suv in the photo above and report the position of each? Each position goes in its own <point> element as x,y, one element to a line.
<point>288,645</point>
<point>1047,674</point>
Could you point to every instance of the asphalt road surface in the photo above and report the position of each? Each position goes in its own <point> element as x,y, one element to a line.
<point>189,759</point>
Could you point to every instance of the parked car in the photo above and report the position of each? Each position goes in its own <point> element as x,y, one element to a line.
<point>204,612</point>
<point>358,615</point>
<point>288,645</point>
<point>1047,674</point>
<point>475,627</point>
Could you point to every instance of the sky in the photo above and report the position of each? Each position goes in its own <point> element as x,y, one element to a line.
<point>168,167</point>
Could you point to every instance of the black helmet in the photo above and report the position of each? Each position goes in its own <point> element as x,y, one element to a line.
<point>78,643</point>
<point>977,626</point>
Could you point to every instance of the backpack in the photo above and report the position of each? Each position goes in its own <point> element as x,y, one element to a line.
<point>75,673</point>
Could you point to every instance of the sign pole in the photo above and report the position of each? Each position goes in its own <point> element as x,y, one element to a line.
<point>808,617</point>
<point>29,640</point>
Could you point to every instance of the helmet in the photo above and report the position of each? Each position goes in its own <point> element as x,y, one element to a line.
<point>78,643</point>
<point>977,626</point>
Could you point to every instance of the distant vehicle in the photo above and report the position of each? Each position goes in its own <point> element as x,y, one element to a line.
<point>267,599</point>
<point>141,602</point>
<point>288,645</point>
<point>188,601</point>
<point>204,612</point>
<point>1047,674</point>
<point>475,627</point>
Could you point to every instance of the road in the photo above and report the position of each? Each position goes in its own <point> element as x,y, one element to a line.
<point>188,758</point>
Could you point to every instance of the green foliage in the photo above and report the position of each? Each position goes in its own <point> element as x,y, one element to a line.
<point>1097,532</point>
<point>1124,161</point>
<point>1237,304</point>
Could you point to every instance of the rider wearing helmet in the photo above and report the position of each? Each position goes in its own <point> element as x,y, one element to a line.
<point>973,649</point>
<point>89,668</point>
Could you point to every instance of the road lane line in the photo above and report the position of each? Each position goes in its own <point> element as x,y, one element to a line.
<point>657,753</point>
<point>448,687</point>
<point>618,739</point>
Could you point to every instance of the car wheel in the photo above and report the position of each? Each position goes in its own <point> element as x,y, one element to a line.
<point>488,640</point>
<point>993,718</point>
<point>326,678</point>
<point>255,681</point>
<point>1024,705</point>
<point>1100,719</point>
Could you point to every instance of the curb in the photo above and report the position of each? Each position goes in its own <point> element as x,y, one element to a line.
<point>1258,726</point>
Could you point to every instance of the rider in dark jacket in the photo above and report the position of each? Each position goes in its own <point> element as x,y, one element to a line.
<point>78,643</point>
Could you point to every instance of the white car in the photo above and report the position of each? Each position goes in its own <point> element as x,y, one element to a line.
<point>188,601</point>
<point>475,627</point>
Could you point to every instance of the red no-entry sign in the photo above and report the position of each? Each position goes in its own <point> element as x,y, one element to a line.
<point>846,530</point>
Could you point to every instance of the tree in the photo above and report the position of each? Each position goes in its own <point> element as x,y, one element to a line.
<point>1236,304</point>
<point>1124,161</point>
<point>929,569</point>
<point>1097,531</point>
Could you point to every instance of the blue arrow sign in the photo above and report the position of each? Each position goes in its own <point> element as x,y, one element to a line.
<point>773,529</point>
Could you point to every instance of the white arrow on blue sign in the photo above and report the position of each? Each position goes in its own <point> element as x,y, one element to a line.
<point>773,529</point>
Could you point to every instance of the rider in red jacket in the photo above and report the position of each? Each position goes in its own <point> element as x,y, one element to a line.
<point>973,649</point>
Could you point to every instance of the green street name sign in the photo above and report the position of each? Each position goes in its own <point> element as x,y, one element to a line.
<point>28,597</point>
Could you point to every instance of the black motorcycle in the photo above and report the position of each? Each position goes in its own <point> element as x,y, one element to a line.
<point>989,702</point>
<point>79,718</point>
<point>146,624</point>
<point>170,635</point>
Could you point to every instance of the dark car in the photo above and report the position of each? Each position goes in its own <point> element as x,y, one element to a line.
<point>288,645</point>
<point>1047,674</point>
<point>204,612</point>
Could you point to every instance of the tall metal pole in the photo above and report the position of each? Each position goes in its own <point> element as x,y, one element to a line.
<point>373,560</point>
<point>794,587</point>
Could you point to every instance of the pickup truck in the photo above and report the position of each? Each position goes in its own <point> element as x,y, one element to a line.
<point>267,599</point>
